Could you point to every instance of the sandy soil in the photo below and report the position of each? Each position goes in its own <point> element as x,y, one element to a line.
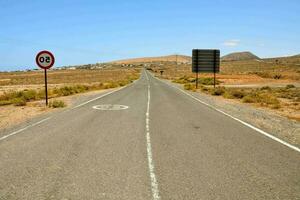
<point>244,80</point>
<point>6,88</point>
<point>11,115</point>
<point>272,121</point>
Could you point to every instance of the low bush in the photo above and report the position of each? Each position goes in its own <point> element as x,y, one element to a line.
<point>202,81</point>
<point>123,83</point>
<point>288,93</point>
<point>110,85</point>
<point>268,75</point>
<point>289,86</point>
<point>218,91</point>
<point>5,102</point>
<point>265,88</point>
<point>277,76</point>
<point>182,80</point>
<point>20,98</point>
<point>19,101</point>
<point>263,99</point>
<point>234,94</point>
<point>57,104</point>
<point>208,81</point>
<point>276,106</point>
<point>204,89</point>
<point>30,95</point>
<point>250,98</point>
<point>268,99</point>
<point>189,86</point>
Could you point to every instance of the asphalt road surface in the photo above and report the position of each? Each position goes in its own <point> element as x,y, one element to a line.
<point>161,144</point>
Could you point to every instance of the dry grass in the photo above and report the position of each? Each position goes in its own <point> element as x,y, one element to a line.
<point>240,72</point>
<point>170,58</point>
<point>285,100</point>
<point>73,82</point>
<point>247,77</point>
<point>57,104</point>
<point>265,96</point>
<point>66,76</point>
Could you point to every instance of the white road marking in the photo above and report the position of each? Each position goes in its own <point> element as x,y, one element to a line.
<point>110,107</point>
<point>89,101</point>
<point>154,184</point>
<point>39,122</point>
<point>241,121</point>
<point>23,129</point>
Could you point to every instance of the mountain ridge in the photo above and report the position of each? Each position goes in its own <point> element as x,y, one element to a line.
<point>238,56</point>
<point>234,56</point>
<point>168,58</point>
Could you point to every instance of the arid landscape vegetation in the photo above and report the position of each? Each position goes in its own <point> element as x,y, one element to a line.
<point>16,87</point>
<point>271,83</point>
<point>22,94</point>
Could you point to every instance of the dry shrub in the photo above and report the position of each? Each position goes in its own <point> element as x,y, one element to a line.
<point>20,98</point>
<point>190,86</point>
<point>57,104</point>
<point>234,93</point>
<point>218,91</point>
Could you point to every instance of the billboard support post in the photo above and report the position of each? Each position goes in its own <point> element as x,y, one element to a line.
<point>197,80</point>
<point>215,63</point>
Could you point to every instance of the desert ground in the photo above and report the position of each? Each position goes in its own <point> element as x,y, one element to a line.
<point>22,93</point>
<point>272,84</point>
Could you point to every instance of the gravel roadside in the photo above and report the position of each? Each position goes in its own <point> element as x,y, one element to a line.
<point>267,120</point>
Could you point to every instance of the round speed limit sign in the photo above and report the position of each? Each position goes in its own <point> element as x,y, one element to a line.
<point>45,59</point>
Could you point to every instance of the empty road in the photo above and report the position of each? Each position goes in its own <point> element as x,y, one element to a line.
<point>160,144</point>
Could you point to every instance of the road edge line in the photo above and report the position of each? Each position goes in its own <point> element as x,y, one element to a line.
<point>23,129</point>
<point>236,119</point>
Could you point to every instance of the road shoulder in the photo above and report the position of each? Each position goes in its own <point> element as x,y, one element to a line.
<point>285,129</point>
<point>17,117</point>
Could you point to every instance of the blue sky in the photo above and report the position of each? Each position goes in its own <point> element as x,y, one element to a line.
<point>90,31</point>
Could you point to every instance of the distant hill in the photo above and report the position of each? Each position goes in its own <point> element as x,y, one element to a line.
<point>170,58</point>
<point>238,56</point>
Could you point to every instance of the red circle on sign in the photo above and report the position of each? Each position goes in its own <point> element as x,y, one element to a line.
<point>38,62</point>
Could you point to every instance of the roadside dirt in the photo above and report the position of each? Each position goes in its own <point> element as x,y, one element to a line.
<point>11,115</point>
<point>7,88</point>
<point>266,119</point>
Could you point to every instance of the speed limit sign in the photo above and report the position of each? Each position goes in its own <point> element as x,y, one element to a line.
<point>45,59</point>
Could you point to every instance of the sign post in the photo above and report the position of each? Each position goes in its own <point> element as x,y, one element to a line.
<point>45,60</point>
<point>161,72</point>
<point>205,61</point>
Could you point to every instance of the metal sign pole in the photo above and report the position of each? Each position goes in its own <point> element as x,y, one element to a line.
<point>214,79</point>
<point>215,62</point>
<point>46,88</point>
<point>197,79</point>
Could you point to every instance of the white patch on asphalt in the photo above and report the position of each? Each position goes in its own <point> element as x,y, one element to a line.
<point>241,121</point>
<point>154,184</point>
<point>110,107</point>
